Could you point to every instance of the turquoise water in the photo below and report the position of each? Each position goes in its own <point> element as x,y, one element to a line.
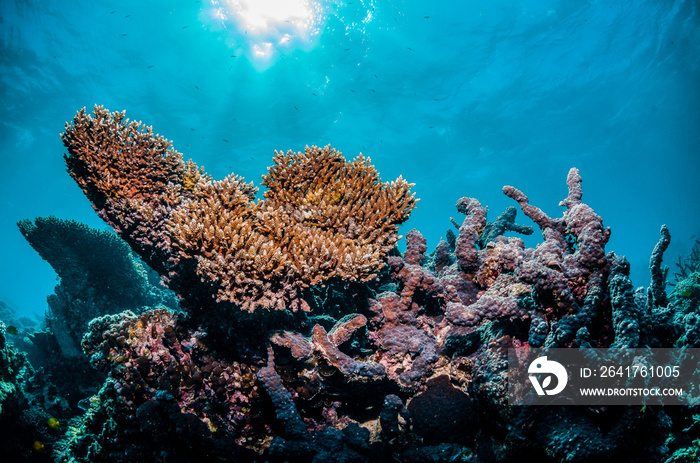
<point>459,97</point>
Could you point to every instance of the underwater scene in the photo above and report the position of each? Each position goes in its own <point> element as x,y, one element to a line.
<point>313,230</point>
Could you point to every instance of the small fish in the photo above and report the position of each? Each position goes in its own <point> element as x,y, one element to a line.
<point>233,56</point>
<point>127,16</point>
<point>112,12</point>
<point>185,27</point>
<point>296,108</point>
<point>12,329</point>
<point>192,129</point>
<point>347,49</point>
<point>426,17</point>
<point>124,35</point>
<point>373,91</point>
<point>410,48</point>
<point>53,423</point>
<point>353,91</point>
<point>225,140</point>
<point>38,446</point>
<point>149,67</point>
<point>313,93</point>
<point>687,292</point>
<point>196,87</point>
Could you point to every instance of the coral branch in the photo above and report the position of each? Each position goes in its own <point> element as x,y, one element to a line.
<point>657,289</point>
<point>281,398</point>
<point>469,232</point>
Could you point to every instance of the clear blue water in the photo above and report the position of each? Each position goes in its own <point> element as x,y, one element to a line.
<point>459,97</point>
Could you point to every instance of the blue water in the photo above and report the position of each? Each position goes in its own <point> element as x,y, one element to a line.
<point>459,97</point>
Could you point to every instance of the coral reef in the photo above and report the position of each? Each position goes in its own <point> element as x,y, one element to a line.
<point>164,380</point>
<point>30,411</point>
<point>392,357</point>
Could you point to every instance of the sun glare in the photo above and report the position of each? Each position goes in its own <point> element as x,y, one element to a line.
<point>269,26</point>
<point>263,14</point>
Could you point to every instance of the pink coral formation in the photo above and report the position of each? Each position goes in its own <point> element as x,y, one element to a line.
<point>321,218</point>
<point>149,352</point>
<point>325,347</point>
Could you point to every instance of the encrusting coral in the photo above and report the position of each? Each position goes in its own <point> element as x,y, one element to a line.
<point>321,217</point>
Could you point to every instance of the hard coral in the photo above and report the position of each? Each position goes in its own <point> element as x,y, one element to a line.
<point>321,218</point>
<point>418,369</point>
<point>133,178</point>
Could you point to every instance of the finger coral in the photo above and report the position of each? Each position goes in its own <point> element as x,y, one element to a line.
<point>322,217</point>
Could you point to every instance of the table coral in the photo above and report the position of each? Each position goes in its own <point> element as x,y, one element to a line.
<point>321,218</point>
<point>99,275</point>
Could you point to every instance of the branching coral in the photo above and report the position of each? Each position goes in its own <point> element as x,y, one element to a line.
<point>321,218</point>
<point>133,177</point>
<point>580,226</point>
<point>689,264</point>
<point>321,192</point>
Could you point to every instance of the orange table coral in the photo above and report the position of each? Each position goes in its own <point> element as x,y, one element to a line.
<point>321,217</point>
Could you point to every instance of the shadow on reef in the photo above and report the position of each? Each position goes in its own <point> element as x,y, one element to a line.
<point>303,335</point>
